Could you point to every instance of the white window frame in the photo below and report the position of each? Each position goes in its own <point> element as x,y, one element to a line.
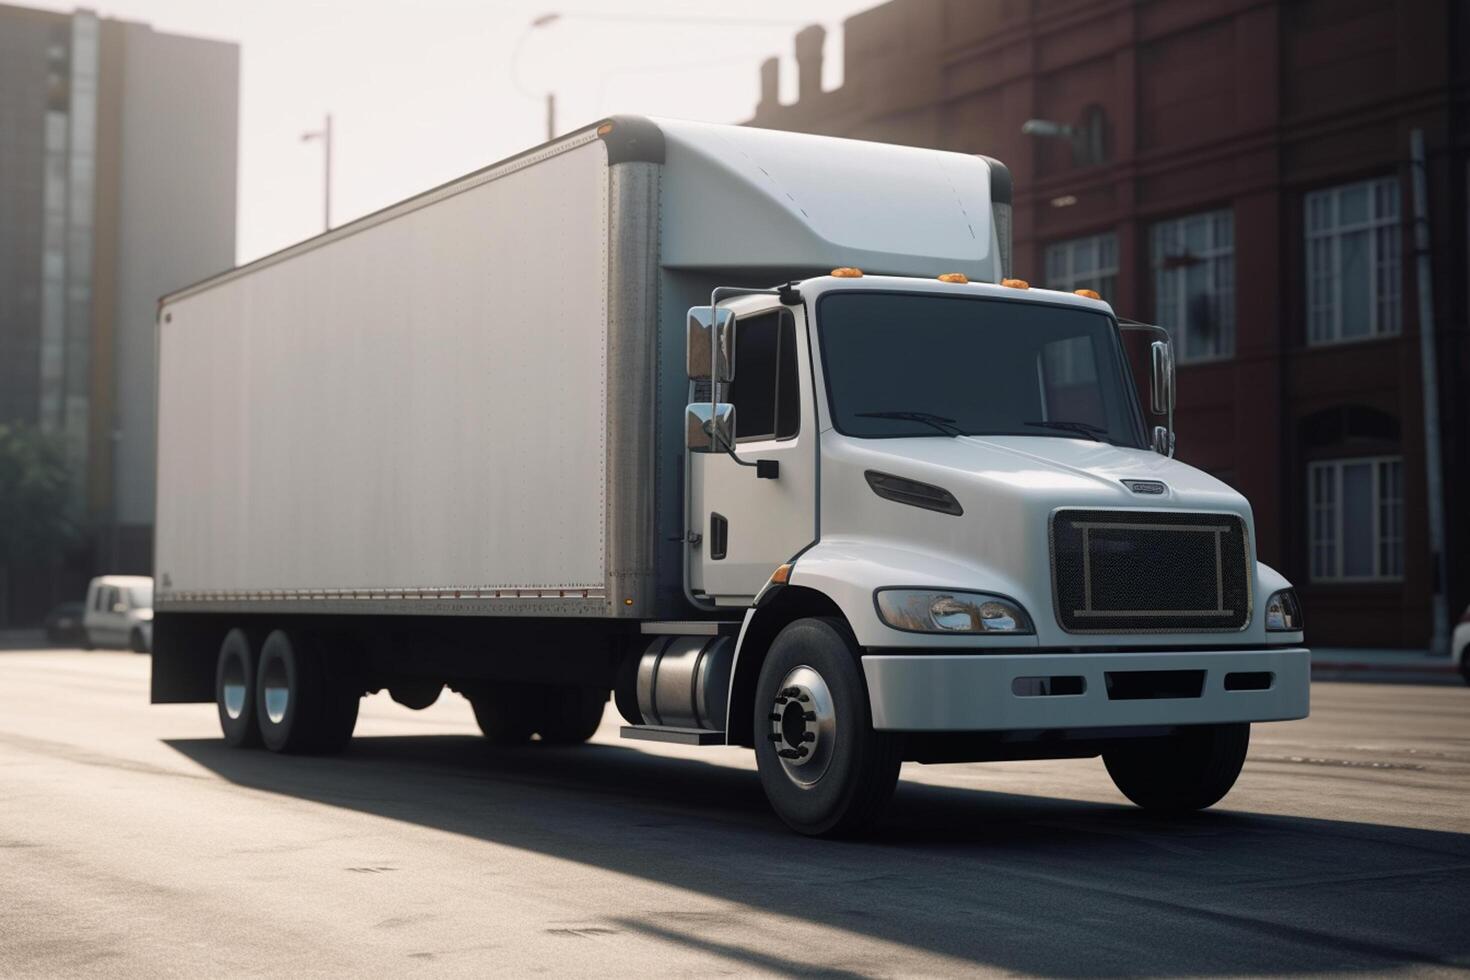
<point>1386,538</point>
<point>1324,261</point>
<point>1218,256</point>
<point>1061,263</point>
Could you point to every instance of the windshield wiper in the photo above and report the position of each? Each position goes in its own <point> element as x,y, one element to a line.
<point>945,425</point>
<point>1093,432</point>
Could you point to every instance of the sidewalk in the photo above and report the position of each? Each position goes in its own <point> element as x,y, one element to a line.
<point>1394,666</point>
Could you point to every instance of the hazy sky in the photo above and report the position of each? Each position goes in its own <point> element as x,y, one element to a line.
<point>423,91</point>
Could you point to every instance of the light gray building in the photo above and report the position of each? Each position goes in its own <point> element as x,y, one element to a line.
<point>118,150</point>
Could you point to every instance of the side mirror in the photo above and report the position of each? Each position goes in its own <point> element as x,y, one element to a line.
<point>1161,378</point>
<point>706,432</point>
<point>707,334</point>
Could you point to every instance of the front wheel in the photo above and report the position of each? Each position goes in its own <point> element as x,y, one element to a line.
<point>826,772</point>
<point>1190,770</point>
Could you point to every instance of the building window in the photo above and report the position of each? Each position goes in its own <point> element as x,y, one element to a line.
<point>1194,283</point>
<point>1356,519</point>
<point>1353,266</point>
<point>1084,263</point>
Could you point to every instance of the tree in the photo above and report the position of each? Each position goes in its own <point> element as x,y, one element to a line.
<point>36,524</point>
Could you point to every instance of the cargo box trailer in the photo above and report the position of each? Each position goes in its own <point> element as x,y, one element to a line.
<point>754,430</point>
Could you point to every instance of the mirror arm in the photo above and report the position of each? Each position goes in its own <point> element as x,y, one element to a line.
<point>765,469</point>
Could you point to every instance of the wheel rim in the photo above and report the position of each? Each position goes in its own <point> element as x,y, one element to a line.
<point>275,690</point>
<point>803,726</point>
<point>232,688</point>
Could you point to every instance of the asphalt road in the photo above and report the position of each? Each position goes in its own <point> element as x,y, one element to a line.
<point>132,842</point>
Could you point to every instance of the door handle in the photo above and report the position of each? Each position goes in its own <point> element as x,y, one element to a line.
<point>719,536</point>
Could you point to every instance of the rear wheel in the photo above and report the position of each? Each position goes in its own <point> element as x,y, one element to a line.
<point>234,690</point>
<point>825,770</point>
<point>503,716</point>
<point>1190,770</point>
<point>561,715</point>
<point>137,643</point>
<point>571,714</point>
<point>299,705</point>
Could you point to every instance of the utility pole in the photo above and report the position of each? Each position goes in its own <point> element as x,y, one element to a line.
<point>550,116</point>
<point>325,135</point>
<point>1439,643</point>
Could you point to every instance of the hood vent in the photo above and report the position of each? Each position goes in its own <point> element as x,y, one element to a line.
<point>905,491</point>
<point>1150,488</point>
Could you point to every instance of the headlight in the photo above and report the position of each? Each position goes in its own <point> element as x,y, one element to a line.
<point>1283,612</point>
<point>945,611</point>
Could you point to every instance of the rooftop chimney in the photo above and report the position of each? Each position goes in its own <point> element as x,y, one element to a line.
<point>809,41</point>
<point>770,84</point>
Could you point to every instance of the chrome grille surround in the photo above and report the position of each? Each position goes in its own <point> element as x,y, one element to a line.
<point>1150,571</point>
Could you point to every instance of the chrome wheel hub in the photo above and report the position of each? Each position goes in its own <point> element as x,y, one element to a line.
<point>232,688</point>
<point>275,691</point>
<point>803,726</point>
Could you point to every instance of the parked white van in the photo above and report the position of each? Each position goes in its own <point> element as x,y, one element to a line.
<point>120,612</point>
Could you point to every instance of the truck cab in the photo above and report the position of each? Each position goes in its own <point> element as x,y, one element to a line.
<point>953,487</point>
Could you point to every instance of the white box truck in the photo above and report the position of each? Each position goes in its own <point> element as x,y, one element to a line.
<point>535,436</point>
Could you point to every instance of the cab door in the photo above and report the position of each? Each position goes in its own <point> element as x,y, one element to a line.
<point>748,525</point>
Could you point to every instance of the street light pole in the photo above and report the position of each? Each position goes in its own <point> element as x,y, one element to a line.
<point>325,135</point>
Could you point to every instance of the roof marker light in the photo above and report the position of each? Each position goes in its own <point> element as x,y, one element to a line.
<point>604,129</point>
<point>1016,283</point>
<point>1088,293</point>
<point>958,277</point>
<point>847,272</point>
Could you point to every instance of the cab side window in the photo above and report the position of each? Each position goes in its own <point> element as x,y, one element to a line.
<point>765,391</point>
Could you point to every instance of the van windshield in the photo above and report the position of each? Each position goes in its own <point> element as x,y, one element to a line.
<point>910,364</point>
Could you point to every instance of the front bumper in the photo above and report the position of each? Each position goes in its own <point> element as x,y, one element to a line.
<point>978,692</point>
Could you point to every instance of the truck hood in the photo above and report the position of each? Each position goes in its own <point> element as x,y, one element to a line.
<point>1077,472</point>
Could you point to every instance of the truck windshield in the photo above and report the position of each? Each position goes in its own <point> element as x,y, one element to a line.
<point>910,364</point>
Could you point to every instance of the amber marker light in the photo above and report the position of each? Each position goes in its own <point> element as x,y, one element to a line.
<point>604,129</point>
<point>1089,293</point>
<point>781,575</point>
<point>1016,283</point>
<point>955,277</point>
<point>847,272</point>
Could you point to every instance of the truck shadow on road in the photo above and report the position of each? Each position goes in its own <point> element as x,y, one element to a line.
<point>1009,882</point>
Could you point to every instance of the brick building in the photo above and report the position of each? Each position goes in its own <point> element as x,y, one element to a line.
<point>1237,170</point>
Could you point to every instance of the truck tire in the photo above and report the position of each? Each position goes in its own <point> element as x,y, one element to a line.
<point>503,714</point>
<point>136,642</point>
<point>299,706</point>
<point>826,772</point>
<point>234,690</point>
<point>571,714</point>
<point>1187,771</point>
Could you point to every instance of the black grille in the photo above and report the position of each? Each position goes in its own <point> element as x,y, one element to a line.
<point>1142,571</point>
